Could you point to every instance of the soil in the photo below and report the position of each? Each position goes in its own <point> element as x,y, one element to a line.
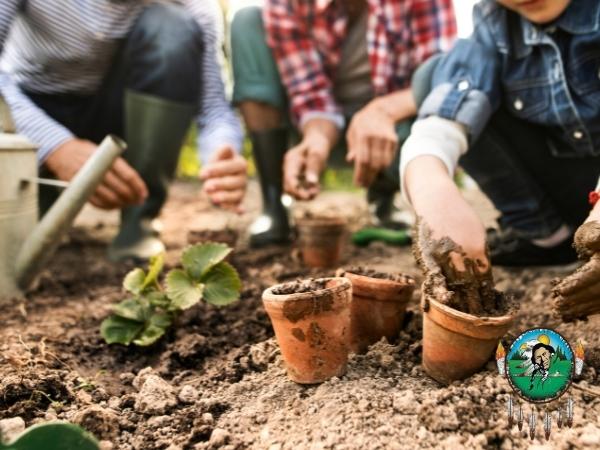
<point>300,287</point>
<point>371,273</point>
<point>217,379</point>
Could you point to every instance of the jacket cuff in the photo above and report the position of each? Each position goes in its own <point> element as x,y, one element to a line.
<point>460,103</point>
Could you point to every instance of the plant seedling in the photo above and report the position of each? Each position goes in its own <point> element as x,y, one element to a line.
<point>53,436</point>
<point>145,317</point>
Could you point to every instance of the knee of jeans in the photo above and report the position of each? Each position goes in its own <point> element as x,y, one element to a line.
<point>169,33</point>
<point>246,24</point>
<point>421,79</point>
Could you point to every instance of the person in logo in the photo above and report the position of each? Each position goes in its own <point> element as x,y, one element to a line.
<point>541,357</point>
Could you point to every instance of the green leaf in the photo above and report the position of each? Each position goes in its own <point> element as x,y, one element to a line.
<point>118,330</point>
<point>134,281</point>
<point>222,285</point>
<point>158,299</point>
<point>137,309</point>
<point>198,259</point>
<point>155,267</point>
<point>156,327</point>
<point>182,290</point>
<point>53,436</point>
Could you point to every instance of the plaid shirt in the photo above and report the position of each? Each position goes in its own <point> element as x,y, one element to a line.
<point>306,37</point>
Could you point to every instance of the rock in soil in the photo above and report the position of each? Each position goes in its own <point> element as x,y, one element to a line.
<point>156,396</point>
<point>11,428</point>
<point>102,422</point>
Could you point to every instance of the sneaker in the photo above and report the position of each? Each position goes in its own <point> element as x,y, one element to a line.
<point>510,248</point>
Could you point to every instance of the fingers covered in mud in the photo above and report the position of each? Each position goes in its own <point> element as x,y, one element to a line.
<point>578,295</point>
<point>587,239</point>
<point>453,278</point>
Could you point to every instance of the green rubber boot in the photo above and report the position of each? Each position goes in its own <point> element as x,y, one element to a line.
<point>272,226</point>
<point>155,129</point>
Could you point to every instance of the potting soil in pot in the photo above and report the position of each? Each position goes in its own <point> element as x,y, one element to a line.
<point>372,273</point>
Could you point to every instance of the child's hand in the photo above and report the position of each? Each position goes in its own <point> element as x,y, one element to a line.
<point>440,205</point>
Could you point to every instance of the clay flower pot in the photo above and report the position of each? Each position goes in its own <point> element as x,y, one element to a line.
<point>378,306</point>
<point>456,344</point>
<point>321,240</point>
<point>312,328</point>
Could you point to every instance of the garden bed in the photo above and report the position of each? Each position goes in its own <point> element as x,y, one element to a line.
<point>217,379</point>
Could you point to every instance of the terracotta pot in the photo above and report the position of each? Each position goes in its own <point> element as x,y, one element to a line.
<point>378,308</point>
<point>455,344</point>
<point>321,240</point>
<point>312,330</point>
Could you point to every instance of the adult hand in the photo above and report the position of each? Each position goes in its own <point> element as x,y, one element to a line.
<point>304,163</point>
<point>225,178</point>
<point>578,295</point>
<point>372,142</point>
<point>121,186</point>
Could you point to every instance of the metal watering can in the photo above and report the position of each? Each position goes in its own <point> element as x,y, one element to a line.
<point>26,245</point>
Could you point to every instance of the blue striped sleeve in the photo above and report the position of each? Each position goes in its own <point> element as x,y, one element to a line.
<point>217,123</point>
<point>29,120</point>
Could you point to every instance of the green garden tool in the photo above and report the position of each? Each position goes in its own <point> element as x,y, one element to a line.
<point>393,237</point>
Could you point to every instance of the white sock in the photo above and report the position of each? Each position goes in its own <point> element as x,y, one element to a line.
<point>564,232</point>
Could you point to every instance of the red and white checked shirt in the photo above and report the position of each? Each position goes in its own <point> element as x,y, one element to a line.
<point>306,37</point>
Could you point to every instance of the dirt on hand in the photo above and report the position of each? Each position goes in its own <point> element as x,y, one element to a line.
<point>470,290</point>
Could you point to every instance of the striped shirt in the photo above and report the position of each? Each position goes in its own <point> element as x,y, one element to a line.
<point>67,47</point>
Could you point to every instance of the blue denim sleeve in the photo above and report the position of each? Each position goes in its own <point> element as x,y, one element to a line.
<point>466,81</point>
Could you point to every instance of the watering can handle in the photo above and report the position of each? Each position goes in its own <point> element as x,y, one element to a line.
<point>7,124</point>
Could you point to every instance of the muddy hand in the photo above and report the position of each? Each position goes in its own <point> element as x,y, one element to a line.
<point>578,295</point>
<point>452,277</point>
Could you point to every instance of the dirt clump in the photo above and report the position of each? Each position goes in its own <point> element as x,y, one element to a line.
<point>102,422</point>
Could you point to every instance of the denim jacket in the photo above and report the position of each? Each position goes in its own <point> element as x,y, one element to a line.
<point>547,75</point>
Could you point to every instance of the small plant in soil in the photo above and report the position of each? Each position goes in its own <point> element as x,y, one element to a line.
<point>144,317</point>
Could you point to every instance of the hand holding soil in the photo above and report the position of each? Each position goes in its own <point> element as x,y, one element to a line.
<point>578,295</point>
<point>452,277</point>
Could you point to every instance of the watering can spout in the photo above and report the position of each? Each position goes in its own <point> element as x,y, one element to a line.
<point>40,245</point>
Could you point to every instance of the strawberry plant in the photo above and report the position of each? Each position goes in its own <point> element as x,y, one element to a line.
<point>144,317</point>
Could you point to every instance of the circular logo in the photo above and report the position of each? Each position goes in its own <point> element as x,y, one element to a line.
<point>539,365</point>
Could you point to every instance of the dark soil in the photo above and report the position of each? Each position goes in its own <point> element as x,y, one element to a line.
<point>217,379</point>
<point>371,273</point>
<point>300,287</point>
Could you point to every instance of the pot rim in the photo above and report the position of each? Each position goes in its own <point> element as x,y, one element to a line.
<point>321,222</point>
<point>471,319</point>
<point>269,296</point>
<point>341,272</point>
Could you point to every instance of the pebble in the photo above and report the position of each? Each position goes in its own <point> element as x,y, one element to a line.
<point>156,396</point>
<point>590,436</point>
<point>11,428</point>
<point>219,438</point>
<point>188,394</point>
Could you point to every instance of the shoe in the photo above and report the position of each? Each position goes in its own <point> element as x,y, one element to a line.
<point>513,249</point>
<point>272,226</point>
<point>155,129</point>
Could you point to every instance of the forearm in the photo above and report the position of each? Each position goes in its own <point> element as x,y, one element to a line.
<point>322,132</point>
<point>425,192</point>
<point>399,105</point>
